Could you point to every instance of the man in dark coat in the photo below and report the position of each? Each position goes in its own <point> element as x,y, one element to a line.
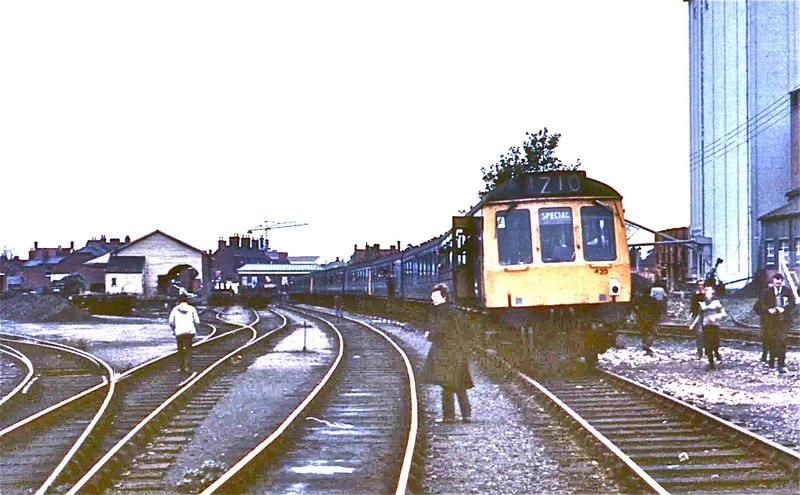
<point>694,308</point>
<point>776,306</point>
<point>648,314</point>
<point>447,363</point>
<point>766,333</point>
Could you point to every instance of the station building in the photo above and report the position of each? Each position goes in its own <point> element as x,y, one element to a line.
<point>744,76</point>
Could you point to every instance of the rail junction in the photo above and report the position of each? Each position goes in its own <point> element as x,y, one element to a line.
<point>342,411</point>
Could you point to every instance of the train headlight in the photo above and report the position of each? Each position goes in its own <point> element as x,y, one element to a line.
<point>614,287</point>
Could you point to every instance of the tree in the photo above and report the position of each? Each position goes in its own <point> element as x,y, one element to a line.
<point>537,154</point>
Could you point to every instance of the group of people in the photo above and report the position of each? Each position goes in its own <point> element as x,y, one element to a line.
<point>775,306</point>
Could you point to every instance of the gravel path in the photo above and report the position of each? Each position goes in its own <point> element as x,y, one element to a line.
<point>511,446</point>
<point>741,389</point>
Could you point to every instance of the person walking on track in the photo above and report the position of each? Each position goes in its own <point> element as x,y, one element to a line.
<point>184,320</point>
<point>447,363</point>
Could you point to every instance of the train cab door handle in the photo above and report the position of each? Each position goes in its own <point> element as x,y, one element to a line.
<point>516,268</point>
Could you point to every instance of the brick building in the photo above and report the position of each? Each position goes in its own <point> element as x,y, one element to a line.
<point>237,252</point>
<point>373,252</point>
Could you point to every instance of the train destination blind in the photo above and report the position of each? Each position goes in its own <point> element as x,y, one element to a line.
<point>555,183</point>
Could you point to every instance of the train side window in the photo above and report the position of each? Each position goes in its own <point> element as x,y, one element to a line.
<point>597,230</point>
<point>556,235</point>
<point>514,237</point>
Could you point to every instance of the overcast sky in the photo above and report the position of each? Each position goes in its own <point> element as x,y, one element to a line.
<point>369,121</point>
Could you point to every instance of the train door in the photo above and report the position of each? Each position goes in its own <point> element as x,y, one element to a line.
<point>467,260</point>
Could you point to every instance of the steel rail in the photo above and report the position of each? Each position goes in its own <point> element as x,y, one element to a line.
<point>405,470</point>
<point>643,477</point>
<point>110,381</point>
<point>255,452</point>
<point>406,465</point>
<point>18,355</point>
<point>793,454</point>
<point>187,384</point>
<point>118,377</point>
<point>95,419</point>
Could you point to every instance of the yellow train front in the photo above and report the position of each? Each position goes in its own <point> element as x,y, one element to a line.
<point>553,239</point>
<point>547,252</point>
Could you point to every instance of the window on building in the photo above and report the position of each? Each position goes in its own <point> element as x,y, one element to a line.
<point>514,237</point>
<point>597,230</point>
<point>784,252</point>
<point>797,250</point>
<point>113,281</point>
<point>556,235</point>
<point>769,252</point>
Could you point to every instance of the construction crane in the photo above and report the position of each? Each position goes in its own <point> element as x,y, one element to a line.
<point>268,225</point>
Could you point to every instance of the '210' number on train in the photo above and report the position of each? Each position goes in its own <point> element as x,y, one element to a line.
<point>556,184</point>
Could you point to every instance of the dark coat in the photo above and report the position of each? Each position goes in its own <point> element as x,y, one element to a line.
<point>647,309</point>
<point>767,301</point>
<point>447,363</point>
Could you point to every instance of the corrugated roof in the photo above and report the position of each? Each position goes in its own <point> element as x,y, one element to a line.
<point>125,264</point>
<point>269,269</point>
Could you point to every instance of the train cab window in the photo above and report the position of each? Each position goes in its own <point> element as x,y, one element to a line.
<point>597,230</point>
<point>514,237</point>
<point>556,235</point>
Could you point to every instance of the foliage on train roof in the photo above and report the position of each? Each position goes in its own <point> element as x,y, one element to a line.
<point>537,154</point>
<point>550,184</point>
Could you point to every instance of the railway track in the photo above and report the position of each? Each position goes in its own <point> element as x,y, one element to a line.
<point>665,445</point>
<point>56,372</point>
<point>16,371</point>
<point>354,432</point>
<point>48,451</point>
<point>145,408</point>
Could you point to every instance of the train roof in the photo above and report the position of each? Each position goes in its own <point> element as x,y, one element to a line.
<point>544,185</point>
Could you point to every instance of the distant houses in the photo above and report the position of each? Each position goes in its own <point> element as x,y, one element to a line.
<point>153,265</point>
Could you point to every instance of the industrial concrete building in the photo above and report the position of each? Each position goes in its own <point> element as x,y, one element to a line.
<point>743,72</point>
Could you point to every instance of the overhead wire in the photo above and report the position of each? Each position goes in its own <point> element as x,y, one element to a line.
<point>743,133</point>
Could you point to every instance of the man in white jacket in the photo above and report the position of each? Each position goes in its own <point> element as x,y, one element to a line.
<point>183,319</point>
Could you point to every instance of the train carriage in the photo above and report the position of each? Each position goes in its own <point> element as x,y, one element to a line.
<point>541,247</point>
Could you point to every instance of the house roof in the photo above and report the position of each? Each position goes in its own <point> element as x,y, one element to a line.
<point>54,260</point>
<point>158,232</point>
<point>790,209</point>
<point>125,264</point>
<point>277,269</point>
<point>302,259</point>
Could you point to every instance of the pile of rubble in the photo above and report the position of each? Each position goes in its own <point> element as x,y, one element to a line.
<point>41,308</point>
